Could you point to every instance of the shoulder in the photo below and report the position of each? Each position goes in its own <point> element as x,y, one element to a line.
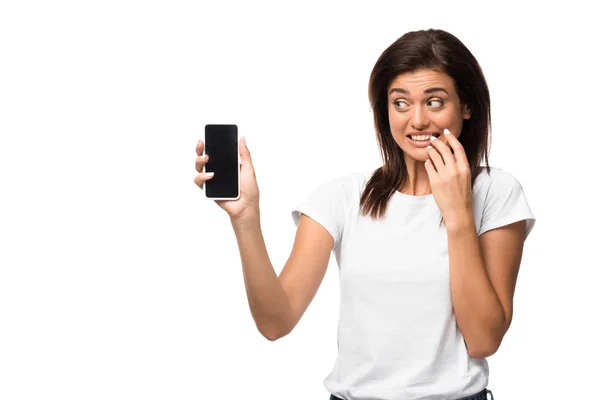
<point>499,199</point>
<point>496,180</point>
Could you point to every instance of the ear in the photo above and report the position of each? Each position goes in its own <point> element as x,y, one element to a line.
<point>466,113</point>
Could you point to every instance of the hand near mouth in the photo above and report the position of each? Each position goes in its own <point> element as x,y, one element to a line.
<point>450,178</point>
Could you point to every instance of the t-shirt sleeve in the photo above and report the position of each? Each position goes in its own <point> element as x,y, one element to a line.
<point>505,204</point>
<point>327,206</point>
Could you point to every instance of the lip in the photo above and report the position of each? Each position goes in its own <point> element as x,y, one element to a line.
<point>421,143</point>
<point>424,133</point>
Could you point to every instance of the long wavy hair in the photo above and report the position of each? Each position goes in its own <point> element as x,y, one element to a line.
<point>425,49</point>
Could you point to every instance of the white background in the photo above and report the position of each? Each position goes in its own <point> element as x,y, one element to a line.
<point>118,280</point>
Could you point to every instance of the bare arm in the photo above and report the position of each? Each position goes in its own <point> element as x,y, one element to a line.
<point>278,303</point>
<point>483,274</point>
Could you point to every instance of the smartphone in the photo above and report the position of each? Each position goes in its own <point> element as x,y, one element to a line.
<point>221,145</point>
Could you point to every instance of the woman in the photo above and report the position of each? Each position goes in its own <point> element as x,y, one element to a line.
<point>428,245</point>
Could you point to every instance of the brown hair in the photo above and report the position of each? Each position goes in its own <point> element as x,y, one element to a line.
<point>425,49</point>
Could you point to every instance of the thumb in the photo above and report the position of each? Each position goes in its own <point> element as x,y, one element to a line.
<point>245,157</point>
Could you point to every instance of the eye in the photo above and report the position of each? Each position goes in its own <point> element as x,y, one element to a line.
<point>436,103</point>
<point>400,103</point>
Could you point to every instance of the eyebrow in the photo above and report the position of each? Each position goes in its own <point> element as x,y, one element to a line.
<point>430,90</point>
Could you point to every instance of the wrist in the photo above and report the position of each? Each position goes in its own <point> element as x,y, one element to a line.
<point>460,220</point>
<point>249,217</point>
<point>459,223</point>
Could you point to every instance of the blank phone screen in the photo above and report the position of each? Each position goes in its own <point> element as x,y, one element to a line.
<point>221,145</point>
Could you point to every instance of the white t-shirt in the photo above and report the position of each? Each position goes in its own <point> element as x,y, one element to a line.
<point>397,335</point>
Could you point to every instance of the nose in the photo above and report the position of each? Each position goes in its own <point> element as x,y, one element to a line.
<point>420,119</point>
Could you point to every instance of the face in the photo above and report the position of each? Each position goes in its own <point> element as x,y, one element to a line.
<point>421,104</point>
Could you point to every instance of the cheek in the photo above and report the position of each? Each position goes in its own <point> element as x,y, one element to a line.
<point>397,120</point>
<point>444,119</point>
<point>450,120</point>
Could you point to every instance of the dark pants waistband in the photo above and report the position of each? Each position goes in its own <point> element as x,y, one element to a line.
<point>478,396</point>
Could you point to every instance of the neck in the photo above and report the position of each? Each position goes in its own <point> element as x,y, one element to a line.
<point>417,183</point>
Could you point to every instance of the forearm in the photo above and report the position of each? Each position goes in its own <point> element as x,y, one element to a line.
<point>479,312</point>
<point>269,304</point>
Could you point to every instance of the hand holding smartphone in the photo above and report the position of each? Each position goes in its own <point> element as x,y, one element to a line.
<point>233,183</point>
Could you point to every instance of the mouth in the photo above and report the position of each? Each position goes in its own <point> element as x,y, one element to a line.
<point>421,139</point>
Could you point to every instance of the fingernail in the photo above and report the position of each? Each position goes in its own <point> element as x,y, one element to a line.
<point>446,132</point>
<point>433,138</point>
<point>429,147</point>
<point>210,173</point>
<point>245,141</point>
<point>203,157</point>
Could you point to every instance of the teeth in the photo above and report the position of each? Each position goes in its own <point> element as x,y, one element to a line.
<point>420,137</point>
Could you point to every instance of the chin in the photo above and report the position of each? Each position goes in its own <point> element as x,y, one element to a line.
<point>417,155</point>
<point>422,159</point>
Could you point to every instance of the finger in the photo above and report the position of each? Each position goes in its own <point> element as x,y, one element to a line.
<point>459,151</point>
<point>436,158</point>
<point>444,150</point>
<point>200,161</point>
<point>431,173</point>
<point>203,177</point>
<point>199,148</point>
<point>245,157</point>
